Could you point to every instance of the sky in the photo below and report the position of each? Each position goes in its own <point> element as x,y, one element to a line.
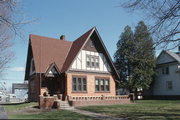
<point>71,18</point>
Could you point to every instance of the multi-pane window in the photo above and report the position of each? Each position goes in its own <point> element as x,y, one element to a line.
<point>102,84</point>
<point>92,61</point>
<point>79,84</point>
<point>169,85</point>
<point>165,70</point>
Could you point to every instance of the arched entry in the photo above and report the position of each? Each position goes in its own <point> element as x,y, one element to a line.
<point>54,81</point>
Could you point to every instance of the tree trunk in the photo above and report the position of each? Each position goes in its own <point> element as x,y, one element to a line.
<point>136,94</point>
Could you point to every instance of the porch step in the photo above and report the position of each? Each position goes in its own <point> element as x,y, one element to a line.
<point>64,105</point>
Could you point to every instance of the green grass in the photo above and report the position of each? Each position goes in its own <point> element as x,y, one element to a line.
<point>9,108</point>
<point>55,114</point>
<point>143,109</point>
<point>59,115</point>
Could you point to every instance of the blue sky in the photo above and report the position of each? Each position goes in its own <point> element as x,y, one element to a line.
<point>71,18</point>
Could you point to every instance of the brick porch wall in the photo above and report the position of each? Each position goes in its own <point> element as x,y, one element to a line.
<point>90,85</point>
<point>98,102</point>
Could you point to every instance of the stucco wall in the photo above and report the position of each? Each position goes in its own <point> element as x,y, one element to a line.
<point>80,62</point>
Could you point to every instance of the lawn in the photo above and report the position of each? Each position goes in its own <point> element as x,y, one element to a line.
<point>142,109</point>
<point>58,115</point>
<point>55,114</point>
<point>9,108</point>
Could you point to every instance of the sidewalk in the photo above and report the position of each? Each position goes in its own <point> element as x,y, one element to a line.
<point>3,115</point>
<point>95,115</point>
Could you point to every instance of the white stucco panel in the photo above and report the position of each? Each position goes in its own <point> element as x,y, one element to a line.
<point>80,62</point>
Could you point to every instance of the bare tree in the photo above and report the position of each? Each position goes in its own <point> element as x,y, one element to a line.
<point>6,26</point>
<point>10,26</point>
<point>164,15</point>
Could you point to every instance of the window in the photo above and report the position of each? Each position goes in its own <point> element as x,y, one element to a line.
<point>101,84</point>
<point>92,61</point>
<point>74,84</point>
<point>79,84</point>
<point>53,70</point>
<point>32,68</point>
<point>167,70</point>
<point>169,85</point>
<point>91,43</point>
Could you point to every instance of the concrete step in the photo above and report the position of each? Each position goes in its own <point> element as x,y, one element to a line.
<point>64,105</point>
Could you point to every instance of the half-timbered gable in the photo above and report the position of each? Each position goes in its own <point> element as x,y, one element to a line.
<point>91,57</point>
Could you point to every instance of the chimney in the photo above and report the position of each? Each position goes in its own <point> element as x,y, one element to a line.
<point>62,37</point>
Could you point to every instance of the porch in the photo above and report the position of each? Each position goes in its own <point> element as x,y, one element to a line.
<point>48,102</point>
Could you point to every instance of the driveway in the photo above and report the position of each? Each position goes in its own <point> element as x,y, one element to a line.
<point>3,115</point>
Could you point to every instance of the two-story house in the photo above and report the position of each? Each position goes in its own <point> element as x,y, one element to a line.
<point>71,68</point>
<point>166,85</point>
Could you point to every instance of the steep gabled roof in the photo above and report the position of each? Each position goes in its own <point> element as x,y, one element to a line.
<point>46,51</point>
<point>51,66</point>
<point>75,48</point>
<point>171,54</point>
<point>174,55</point>
<point>78,46</point>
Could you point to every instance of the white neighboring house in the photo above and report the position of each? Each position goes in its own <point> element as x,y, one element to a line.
<point>167,82</point>
<point>6,97</point>
<point>3,97</point>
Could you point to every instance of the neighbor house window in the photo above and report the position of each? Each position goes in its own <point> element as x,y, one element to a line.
<point>102,84</point>
<point>169,85</point>
<point>79,84</point>
<point>92,61</point>
<point>167,70</point>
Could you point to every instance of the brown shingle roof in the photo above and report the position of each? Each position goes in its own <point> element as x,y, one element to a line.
<point>60,52</point>
<point>52,51</point>
<point>76,46</point>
